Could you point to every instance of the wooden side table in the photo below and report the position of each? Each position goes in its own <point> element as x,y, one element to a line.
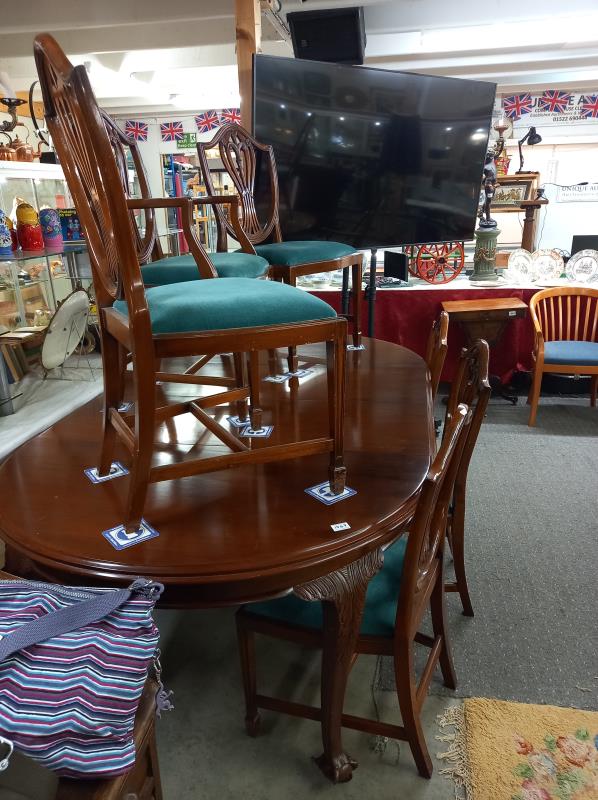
<point>487,319</point>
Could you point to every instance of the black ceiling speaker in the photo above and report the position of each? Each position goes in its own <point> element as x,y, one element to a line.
<point>336,35</point>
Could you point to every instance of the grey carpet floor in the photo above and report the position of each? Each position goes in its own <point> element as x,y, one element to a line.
<point>532,560</point>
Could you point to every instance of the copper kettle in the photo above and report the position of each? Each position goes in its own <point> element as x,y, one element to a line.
<point>7,151</point>
<point>24,151</point>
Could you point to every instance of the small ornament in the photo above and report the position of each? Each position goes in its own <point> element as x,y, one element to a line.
<point>13,233</point>
<point>51,230</point>
<point>5,239</point>
<point>29,231</point>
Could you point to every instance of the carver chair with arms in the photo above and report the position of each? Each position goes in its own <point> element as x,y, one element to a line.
<point>205,317</point>
<point>565,321</point>
<point>156,269</point>
<point>472,387</point>
<point>410,581</point>
<point>241,156</point>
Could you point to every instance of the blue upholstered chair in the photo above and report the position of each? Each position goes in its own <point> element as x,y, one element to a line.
<point>409,582</point>
<point>183,320</point>
<point>158,270</point>
<point>241,155</point>
<point>565,323</point>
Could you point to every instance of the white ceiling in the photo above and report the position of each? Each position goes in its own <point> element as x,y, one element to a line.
<point>151,56</point>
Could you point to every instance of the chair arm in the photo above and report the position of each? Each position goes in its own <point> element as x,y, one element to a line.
<point>204,265</point>
<point>231,200</point>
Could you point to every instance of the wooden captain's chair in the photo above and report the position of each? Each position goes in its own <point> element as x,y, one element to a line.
<point>240,154</point>
<point>237,315</point>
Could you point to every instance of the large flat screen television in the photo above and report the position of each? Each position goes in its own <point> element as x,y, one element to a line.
<point>372,157</point>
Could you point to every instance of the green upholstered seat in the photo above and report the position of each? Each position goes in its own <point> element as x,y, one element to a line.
<point>217,304</point>
<point>293,254</point>
<point>381,600</point>
<point>582,354</point>
<point>179,269</point>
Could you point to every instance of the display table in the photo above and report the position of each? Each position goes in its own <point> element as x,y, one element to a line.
<point>248,533</point>
<point>405,315</point>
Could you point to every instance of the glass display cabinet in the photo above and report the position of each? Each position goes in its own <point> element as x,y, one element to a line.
<point>32,284</point>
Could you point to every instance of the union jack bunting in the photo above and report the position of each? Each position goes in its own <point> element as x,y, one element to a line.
<point>136,130</point>
<point>554,101</point>
<point>230,115</point>
<point>516,105</point>
<point>589,106</point>
<point>171,131</point>
<point>207,121</point>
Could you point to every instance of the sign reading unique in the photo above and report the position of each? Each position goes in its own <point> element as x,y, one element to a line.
<point>577,194</point>
<point>551,107</point>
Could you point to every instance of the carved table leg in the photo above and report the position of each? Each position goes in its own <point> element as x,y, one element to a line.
<point>343,595</point>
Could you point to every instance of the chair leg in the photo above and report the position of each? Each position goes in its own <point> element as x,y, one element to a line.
<point>406,692</point>
<point>457,545</point>
<point>241,380</point>
<point>145,408</point>
<point>593,390</point>
<point>246,643</point>
<point>255,412</point>
<point>357,303</point>
<point>114,364</point>
<point>155,768</point>
<point>440,628</point>
<point>335,357</point>
<point>534,395</point>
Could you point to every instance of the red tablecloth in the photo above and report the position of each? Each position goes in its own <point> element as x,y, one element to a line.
<point>405,317</point>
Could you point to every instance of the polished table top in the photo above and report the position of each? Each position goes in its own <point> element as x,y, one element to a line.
<point>243,533</point>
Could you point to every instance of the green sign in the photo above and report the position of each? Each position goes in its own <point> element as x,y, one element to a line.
<point>187,142</point>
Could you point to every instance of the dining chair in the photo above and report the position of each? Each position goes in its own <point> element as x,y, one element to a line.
<point>436,349</point>
<point>565,321</point>
<point>157,269</point>
<point>410,581</point>
<point>210,317</point>
<point>472,387</point>
<point>241,157</point>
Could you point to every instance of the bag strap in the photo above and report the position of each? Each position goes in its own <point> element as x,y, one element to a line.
<point>72,617</point>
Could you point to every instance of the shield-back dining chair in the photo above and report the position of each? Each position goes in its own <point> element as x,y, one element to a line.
<point>157,269</point>
<point>472,387</point>
<point>208,317</point>
<point>241,155</point>
<point>409,582</point>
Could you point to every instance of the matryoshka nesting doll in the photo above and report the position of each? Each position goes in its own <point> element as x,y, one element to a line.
<point>51,230</point>
<point>29,231</point>
<point>5,239</point>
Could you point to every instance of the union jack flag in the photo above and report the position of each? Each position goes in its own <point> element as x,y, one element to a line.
<point>136,130</point>
<point>554,101</point>
<point>171,131</point>
<point>230,115</point>
<point>207,121</point>
<point>516,105</point>
<point>589,106</point>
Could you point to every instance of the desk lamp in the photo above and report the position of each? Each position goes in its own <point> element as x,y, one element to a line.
<point>531,137</point>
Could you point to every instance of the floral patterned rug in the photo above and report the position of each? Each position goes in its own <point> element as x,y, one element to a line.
<point>517,751</point>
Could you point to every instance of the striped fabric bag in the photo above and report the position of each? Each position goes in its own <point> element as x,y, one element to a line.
<point>73,663</point>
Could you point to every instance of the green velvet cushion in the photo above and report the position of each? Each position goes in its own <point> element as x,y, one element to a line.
<point>216,304</point>
<point>179,269</point>
<point>293,254</point>
<point>582,354</point>
<point>380,602</point>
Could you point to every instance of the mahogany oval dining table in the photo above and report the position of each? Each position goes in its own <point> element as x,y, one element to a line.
<point>247,533</point>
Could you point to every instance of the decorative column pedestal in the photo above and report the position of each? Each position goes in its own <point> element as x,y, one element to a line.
<point>484,257</point>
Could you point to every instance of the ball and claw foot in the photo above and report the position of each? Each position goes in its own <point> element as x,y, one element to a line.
<point>252,725</point>
<point>339,769</point>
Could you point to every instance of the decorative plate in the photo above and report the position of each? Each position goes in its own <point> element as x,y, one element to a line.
<point>547,265</point>
<point>520,266</point>
<point>583,267</point>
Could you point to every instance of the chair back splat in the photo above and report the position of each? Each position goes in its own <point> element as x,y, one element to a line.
<point>470,386</point>
<point>243,158</point>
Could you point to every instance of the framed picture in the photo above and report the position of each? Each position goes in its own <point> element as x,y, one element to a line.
<point>510,193</point>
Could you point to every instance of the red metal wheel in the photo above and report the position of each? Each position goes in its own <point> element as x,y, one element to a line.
<point>440,263</point>
<point>411,251</point>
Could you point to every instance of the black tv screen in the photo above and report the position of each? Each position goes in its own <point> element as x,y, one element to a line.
<point>372,157</point>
